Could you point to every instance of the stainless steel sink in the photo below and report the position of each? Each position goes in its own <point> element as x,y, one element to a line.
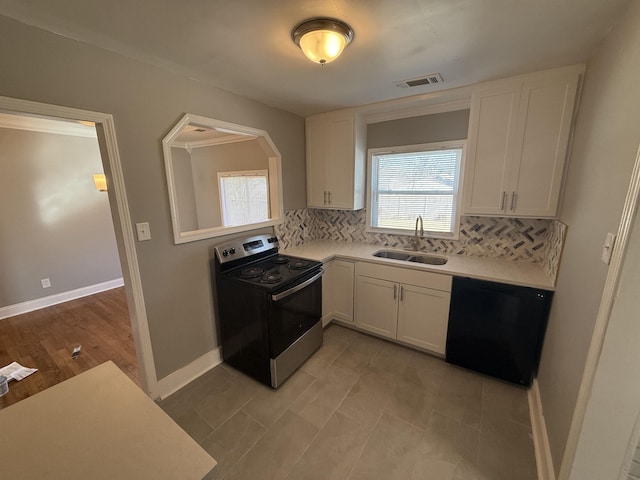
<point>428,259</point>
<point>411,257</point>
<point>392,254</point>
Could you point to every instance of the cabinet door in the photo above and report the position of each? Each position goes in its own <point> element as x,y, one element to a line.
<point>377,305</point>
<point>342,279</point>
<point>318,132</point>
<point>327,292</point>
<point>492,134</point>
<point>340,163</point>
<point>423,315</point>
<point>546,108</point>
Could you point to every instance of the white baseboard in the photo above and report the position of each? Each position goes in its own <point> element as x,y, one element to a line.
<point>539,432</point>
<point>178,379</point>
<point>38,303</point>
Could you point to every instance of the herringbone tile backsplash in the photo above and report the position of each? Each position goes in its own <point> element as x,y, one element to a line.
<point>518,239</point>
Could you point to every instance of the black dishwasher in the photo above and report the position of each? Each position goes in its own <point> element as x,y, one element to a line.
<point>497,329</point>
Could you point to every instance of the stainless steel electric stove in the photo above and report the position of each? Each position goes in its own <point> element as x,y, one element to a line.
<point>268,308</point>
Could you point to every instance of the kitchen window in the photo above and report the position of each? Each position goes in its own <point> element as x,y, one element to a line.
<point>244,197</point>
<point>415,180</point>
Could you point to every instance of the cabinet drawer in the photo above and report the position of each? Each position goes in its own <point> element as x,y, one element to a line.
<point>437,281</point>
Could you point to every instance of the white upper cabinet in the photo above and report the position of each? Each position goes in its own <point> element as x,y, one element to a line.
<point>492,127</point>
<point>518,136</point>
<point>336,151</point>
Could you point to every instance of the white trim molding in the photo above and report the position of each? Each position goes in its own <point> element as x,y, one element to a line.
<point>44,125</point>
<point>418,111</point>
<point>50,300</point>
<point>544,461</point>
<point>185,375</point>
<point>602,320</point>
<point>106,132</point>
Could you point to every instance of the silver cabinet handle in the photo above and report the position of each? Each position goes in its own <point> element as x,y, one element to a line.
<point>395,291</point>
<point>329,197</point>
<point>325,197</point>
<point>513,201</point>
<point>401,293</point>
<point>504,199</point>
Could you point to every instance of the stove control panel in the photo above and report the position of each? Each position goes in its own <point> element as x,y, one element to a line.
<point>245,247</point>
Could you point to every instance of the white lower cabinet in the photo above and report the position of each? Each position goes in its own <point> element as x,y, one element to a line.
<point>337,291</point>
<point>377,305</point>
<point>423,315</point>
<point>407,305</point>
<point>327,293</point>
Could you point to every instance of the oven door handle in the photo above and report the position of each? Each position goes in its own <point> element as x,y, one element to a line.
<point>295,289</point>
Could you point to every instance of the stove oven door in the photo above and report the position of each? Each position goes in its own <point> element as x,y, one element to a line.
<point>295,329</point>
<point>293,312</point>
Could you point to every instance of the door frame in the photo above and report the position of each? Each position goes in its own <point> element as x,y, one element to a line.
<point>629,213</point>
<point>122,224</point>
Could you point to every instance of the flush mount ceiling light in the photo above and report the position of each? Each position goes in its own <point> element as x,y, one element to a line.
<point>322,40</point>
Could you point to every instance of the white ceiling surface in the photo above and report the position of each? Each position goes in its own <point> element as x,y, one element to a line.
<point>245,46</point>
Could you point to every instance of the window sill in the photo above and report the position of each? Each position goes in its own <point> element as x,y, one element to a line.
<point>411,233</point>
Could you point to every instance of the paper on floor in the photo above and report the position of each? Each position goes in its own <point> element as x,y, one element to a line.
<point>15,371</point>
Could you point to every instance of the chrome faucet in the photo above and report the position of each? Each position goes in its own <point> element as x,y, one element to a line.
<point>415,240</point>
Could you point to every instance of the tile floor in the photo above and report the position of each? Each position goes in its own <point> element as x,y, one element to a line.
<point>360,408</point>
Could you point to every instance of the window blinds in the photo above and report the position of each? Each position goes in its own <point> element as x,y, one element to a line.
<point>405,185</point>
<point>244,197</point>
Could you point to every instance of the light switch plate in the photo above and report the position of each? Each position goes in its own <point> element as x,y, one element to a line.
<point>144,231</point>
<point>607,248</point>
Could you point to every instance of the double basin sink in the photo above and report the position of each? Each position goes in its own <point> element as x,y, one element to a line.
<point>411,257</point>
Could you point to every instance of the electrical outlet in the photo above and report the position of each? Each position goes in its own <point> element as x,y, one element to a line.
<point>144,231</point>
<point>46,283</point>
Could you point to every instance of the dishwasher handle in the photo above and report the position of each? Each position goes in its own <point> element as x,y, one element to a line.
<point>296,288</point>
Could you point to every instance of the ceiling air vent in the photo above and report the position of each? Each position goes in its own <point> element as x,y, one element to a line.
<point>431,79</point>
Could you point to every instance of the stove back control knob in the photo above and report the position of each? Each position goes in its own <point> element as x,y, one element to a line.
<point>232,250</point>
<point>225,253</point>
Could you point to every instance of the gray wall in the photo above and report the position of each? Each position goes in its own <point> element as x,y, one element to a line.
<point>185,194</point>
<point>145,102</point>
<point>437,127</point>
<point>208,161</point>
<point>606,140</point>
<point>54,223</point>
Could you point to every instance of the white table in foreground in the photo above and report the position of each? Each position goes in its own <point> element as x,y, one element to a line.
<point>97,425</point>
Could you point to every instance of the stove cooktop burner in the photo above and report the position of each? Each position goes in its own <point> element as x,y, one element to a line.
<point>271,277</point>
<point>274,271</point>
<point>251,272</point>
<point>297,264</point>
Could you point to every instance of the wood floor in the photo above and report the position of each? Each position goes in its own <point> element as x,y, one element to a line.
<point>44,339</point>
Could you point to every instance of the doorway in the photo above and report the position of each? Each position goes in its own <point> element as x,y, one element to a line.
<point>118,204</point>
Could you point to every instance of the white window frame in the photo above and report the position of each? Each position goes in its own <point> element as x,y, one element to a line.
<point>240,173</point>
<point>422,147</point>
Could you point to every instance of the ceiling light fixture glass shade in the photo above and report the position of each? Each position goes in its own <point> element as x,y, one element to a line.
<point>322,40</point>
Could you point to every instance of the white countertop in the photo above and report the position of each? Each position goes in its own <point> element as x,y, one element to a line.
<point>504,271</point>
<point>97,425</point>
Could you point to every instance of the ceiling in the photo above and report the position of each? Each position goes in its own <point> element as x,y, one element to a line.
<point>245,46</point>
